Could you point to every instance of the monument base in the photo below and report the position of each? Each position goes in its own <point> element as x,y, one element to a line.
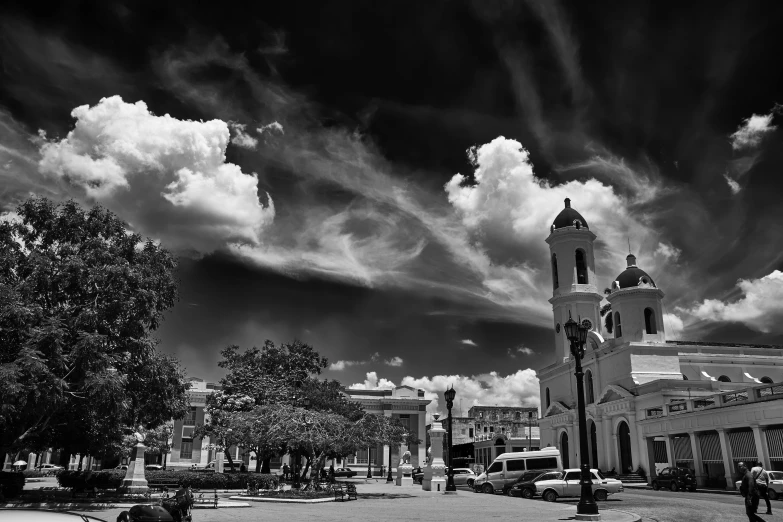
<point>135,482</point>
<point>588,517</point>
<point>434,484</point>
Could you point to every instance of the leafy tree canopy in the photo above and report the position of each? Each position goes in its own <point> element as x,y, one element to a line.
<point>79,298</point>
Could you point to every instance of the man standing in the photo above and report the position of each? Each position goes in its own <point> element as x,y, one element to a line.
<point>749,490</point>
<point>285,471</point>
<point>762,482</point>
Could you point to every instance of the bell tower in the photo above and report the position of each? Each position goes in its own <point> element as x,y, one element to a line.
<point>574,287</point>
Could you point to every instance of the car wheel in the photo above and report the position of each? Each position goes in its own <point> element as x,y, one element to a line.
<point>673,486</point>
<point>470,483</point>
<point>549,496</point>
<point>656,486</point>
<point>123,517</point>
<point>527,493</point>
<point>600,495</point>
<point>488,488</point>
<point>773,495</point>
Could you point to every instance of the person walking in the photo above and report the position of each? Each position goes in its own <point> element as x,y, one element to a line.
<point>750,491</point>
<point>762,482</point>
<point>285,471</point>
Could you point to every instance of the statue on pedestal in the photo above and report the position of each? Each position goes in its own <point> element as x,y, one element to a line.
<point>435,472</point>
<point>405,470</point>
<point>134,482</point>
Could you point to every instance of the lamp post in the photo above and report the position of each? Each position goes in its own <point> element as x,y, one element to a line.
<point>449,395</point>
<point>577,335</point>
<point>305,402</point>
<point>389,477</point>
<point>530,430</point>
<point>369,465</point>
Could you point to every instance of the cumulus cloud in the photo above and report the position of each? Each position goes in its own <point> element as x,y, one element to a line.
<point>342,365</point>
<point>394,361</point>
<point>668,251</point>
<point>242,138</point>
<point>759,308</point>
<point>372,382</point>
<point>468,342</point>
<point>271,129</point>
<point>167,177</point>
<point>523,350</point>
<point>752,130</point>
<point>673,325</point>
<point>733,185</point>
<point>488,389</point>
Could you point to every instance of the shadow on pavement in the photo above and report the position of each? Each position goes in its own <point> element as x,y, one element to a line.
<point>390,496</point>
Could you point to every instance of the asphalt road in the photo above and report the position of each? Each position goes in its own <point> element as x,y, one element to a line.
<point>665,506</point>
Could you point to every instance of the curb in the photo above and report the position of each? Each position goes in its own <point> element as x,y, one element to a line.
<point>285,500</point>
<point>111,505</point>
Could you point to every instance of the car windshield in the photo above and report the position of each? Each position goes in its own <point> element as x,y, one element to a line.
<point>775,475</point>
<point>600,475</point>
<point>555,475</point>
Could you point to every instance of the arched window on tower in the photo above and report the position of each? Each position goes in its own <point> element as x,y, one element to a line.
<point>589,394</point>
<point>618,328</point>
<point>581,267</point>
<point>724,378</point>
<point>555,279</point>
<point>650,325</point>
<point>547,398</point>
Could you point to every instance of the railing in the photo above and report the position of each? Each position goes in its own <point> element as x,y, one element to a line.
<point>735,396</point>
<point>654,412</point>
<point>677,407</point>
<point>706,402</point>
<point>769,391</point>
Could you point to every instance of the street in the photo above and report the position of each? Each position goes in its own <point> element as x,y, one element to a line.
<point>381,502</point>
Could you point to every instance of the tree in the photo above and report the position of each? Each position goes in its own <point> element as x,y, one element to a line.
<point>80,296</point>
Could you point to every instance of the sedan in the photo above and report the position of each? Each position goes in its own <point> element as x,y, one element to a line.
<point>525,486</point>
<point>153,467</point>
<point>675,479</point>
<point>775,489</point>
<point>49,468</point>
<point>568,486</point>
<point>345,472</point>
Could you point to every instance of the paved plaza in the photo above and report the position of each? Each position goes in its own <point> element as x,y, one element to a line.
<point>380,502</point>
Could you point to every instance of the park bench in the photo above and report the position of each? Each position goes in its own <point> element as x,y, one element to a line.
<point>343,491</point>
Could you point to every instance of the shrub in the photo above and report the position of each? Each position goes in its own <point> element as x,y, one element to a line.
<point>12,483</point>
<point>35,473</point>
<point>78,480</point>
<point>212,480</point>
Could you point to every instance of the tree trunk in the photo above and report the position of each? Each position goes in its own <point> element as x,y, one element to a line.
<point>306,469</point>
<point>165,458</point>
<point>266,469</point>
<point>230,462</point>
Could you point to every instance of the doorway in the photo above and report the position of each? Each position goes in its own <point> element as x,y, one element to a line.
<point>564,450</point>
<point>593,446</point>
<point>624,440</point>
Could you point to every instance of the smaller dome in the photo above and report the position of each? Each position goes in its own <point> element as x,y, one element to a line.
<point>633,276</point>
<point>569,217</point>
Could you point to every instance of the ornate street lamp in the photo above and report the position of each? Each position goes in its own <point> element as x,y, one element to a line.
<point>389,477</point>
<point>577,335</point>
<point>449,395</point>
<point>369,464</point>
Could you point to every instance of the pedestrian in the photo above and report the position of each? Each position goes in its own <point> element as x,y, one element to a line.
<point>750,491</point>
<point>762,482</point>
<point>331,473</point>
<point>243,468</point>
<point>285,471</point>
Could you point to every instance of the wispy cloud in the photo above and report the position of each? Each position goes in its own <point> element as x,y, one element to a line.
<point>733,185</point>
<point>468,342</point>
<point>519,350</point>
<point>342,365</point>
<point>241,138</point>
<point>394,361</point>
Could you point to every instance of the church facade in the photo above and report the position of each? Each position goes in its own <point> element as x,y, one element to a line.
<point>651,402</point>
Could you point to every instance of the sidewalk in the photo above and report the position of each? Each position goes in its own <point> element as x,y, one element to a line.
<point>698,490</point>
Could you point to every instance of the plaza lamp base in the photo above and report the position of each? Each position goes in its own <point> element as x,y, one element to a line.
<point>587,517</point>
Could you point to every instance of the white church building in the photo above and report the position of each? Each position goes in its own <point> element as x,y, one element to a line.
<point>651,402</point>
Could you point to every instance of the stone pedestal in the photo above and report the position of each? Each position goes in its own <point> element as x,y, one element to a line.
<point>405,470</point>
<point>435,471</point>
<point>134,482</point>
<point>219,456</point>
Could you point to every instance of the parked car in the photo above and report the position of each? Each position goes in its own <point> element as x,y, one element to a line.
<point>49,469</point>
<point>775,489</point>
<point>508,467</point>
<point>675,479</point>
<point>345,472</point>
<point>525,486</point>
<point>123,467</point>
<point>567,485</point>
<point>153,467</point>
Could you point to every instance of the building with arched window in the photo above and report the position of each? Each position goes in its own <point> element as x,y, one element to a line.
<point>651,402</point>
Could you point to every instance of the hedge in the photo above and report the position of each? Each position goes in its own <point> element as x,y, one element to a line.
<point>35,473</point>
<point>113,479</point>
<point>12,483</point>
<point>213,480</point>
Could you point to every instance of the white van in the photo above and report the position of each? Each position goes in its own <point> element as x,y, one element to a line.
<point>508,467</point>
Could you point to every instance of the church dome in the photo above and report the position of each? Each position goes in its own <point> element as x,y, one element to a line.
<point>634,276</point>
<point>569,217</point>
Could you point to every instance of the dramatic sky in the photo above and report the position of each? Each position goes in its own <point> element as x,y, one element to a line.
<point>378,178</point>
